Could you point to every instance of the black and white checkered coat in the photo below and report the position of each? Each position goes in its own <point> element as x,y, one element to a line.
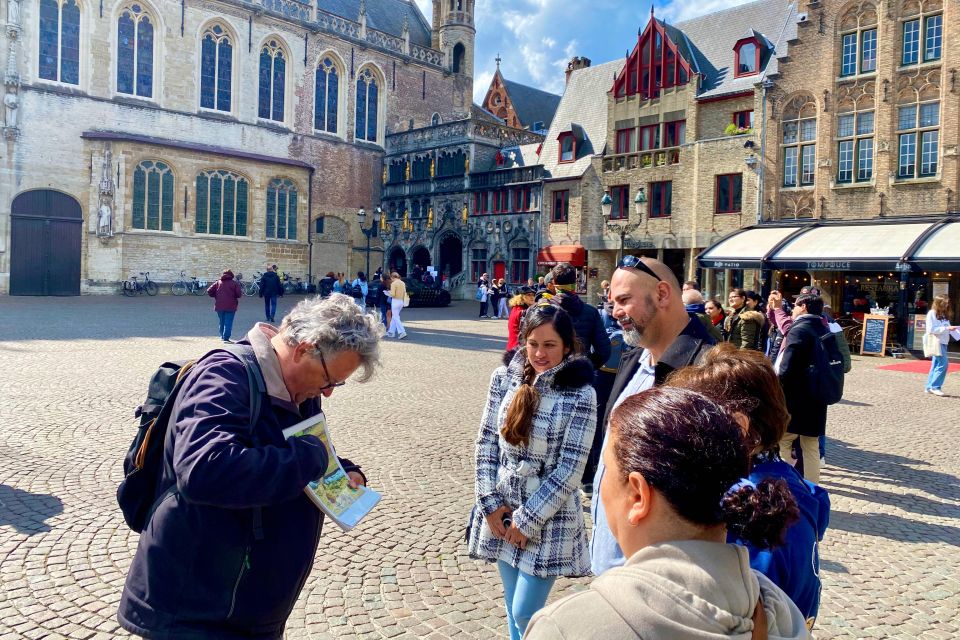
<point>541,481</point>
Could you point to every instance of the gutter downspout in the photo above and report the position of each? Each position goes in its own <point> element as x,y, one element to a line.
<point>309,226</point>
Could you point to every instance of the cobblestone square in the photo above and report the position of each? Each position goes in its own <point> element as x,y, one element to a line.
<point>73,369</point>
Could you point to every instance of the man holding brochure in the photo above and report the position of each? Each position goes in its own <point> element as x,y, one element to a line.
<point>233,536</point>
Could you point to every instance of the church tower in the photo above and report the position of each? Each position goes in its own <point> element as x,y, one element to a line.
<point>454,34</point>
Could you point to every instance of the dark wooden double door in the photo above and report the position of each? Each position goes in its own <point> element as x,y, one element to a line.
<point>45,239</point>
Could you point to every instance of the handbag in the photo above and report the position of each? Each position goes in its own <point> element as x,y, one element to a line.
<point>406,300</point>
<point>931,345</point>
<point>479,295</point>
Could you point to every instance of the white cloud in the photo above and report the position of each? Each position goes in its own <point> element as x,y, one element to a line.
<point>481,82</point>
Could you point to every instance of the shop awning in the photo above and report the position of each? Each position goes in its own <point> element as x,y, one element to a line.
<point>573,254</point>
<point>745,249</point>
<point>849,247</point>
<point>940,249</point>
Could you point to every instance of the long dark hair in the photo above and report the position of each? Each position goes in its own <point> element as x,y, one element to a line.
<point>691,450</point>
<point>519,417</point>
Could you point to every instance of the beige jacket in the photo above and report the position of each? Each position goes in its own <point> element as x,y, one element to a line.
<point>681,590</point>
<point>398,289</point>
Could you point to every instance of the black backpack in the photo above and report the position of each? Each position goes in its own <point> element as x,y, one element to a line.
<point>139,491</point>
<point>826,370</point>
<point>356,291</point>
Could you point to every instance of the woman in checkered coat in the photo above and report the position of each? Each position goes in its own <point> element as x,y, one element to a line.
<point>533,444</point>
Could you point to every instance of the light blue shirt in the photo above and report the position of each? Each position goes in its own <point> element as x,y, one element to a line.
<point>605,553</point>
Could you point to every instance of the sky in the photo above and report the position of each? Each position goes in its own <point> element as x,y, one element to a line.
<point>536,38</point>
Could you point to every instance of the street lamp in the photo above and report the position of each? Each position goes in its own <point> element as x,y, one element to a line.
<point>639,201</point>
<point>618,225</point>
<point>370,232</point>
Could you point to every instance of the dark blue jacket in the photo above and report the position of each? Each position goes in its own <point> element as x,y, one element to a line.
<point>270,285</point>
<point>588,327</point>
<point>200,571</point>
<point>795,565</point>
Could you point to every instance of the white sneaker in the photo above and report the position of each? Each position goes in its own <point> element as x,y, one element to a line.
<point>937,392</point>
<point>402,336</point>
<point>390,335</point>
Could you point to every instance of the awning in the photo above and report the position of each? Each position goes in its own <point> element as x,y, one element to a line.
<point>574,254</point>
<point>886,244</point>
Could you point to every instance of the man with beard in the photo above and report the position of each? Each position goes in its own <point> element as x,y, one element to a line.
<point>648,305</point>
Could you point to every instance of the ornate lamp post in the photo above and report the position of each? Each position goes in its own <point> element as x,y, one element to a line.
<point>370,232</point>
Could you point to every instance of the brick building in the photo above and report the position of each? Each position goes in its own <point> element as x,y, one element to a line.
<point>160,137</point>
<point>518,105</point>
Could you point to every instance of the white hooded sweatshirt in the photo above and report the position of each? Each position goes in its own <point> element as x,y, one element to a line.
<point>687,589</point>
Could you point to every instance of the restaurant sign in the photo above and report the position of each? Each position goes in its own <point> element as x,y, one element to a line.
<point>723,264</point>
<point>828,265</point>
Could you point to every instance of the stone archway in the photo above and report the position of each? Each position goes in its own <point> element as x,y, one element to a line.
<point>45,244</point>
<point>420,257</point>
<point>451,255</point>
<point>398,261</point>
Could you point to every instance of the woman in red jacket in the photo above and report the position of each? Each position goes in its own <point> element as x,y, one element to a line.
<point>227,293</point>
<point>518,305</point>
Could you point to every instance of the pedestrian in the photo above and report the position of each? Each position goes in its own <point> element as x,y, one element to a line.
<point>494,297</point>
<point>743,381</point>
<point>671,506</point>
<point>502,309</point>
<point>808,411</point>
<point>359,290</point>
<point>694,304</point>
<point>398,295</point>
<point>938,325</point>
<point>226,293</point>
<point>270,290</point>
<point>483,295</point>
<point>518,305</point>
<point>603,303</point>
<point>716,313</point>
<point>232,542</point>
<point>691,285</point>
<point>383,299</point>
<point>531,283</point>
<point>549,289</point>
<point>743,324</point>
<point>340,286</point>
<point>327,284</point>
<point>755,303</point>
<point>779,319</point>
<point>533,444</point>
<point>647,303</point>
<point>541,283</point>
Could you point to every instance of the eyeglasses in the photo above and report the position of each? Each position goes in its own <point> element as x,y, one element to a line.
<point>634,262</point>
<point>329,385</point>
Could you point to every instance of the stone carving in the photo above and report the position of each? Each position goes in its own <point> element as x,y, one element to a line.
<point>921,84</point>
<point>13,12</point>
<point>107,190</point>
<point>797,204</point>
<point>859,95</point>
<point>12,103</point>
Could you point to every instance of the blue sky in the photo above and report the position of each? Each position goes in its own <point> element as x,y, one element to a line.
<point>536,38</point>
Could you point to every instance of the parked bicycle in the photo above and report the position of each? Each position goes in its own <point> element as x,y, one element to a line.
<point>134,287</point>
<point>183,286</point>
<point>252,287</point>
<point>293,285</point>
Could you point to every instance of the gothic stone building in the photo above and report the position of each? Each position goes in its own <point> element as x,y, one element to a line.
<point>148,135</point>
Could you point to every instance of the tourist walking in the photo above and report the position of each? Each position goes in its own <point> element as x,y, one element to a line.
<point>743,381</point>
<point>716,314</point>
<point>383,299</point>
<point>533,443</point>
<point>647,304</point>
<point>483,295</point>
<point>503,310</point>
<point>226,293</point>
<point>518,305</point>
<point>743,325</point>
<point>271,289</point>
<point>398,297</point>
<point>359,290</point>
<point>671,506</point>
<point>494,298</point>
<point>233,539</point>
<point>938,326</point>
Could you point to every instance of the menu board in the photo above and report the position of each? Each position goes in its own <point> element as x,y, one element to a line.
<point>874,336</point>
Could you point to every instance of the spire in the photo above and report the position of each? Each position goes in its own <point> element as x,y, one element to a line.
<point>498,60</point>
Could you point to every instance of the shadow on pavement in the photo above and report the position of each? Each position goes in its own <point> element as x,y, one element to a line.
<point>908,502</point>
<point>893,527</point>
<point>26,512</point>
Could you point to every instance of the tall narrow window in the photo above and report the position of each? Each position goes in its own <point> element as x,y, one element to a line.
<point>747,58</point>
<point>281,210</point>
<point>519,264</point>
<point>918,140</point>
<point>568,147</point>
<point>911,42</point>
<point>620,195</point>
<point>859,52</point>
<point>478,263</point>
<point>626,140</point>
<point>674,133</point>
<point>855,147</point>
<point>922,39</point>
<point>458,53</point>
<point>273,72</point>
<point>367,96</point>
<point>222,202</point>
<point>60,41</point>
<point>650,137</point>
<point>561,205</point>
<point>799,143</point>
<point>326,97</point>
<point>152,197</point>
<point>661,199</point>
<point>216,69</point>
<point>729,193</point>
<point>135,52</point>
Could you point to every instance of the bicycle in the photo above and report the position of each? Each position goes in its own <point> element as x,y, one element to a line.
<point>133,286</point>
<point>252,287</point>
<point>182,287</point>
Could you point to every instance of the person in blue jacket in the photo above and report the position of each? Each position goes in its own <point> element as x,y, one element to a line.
<point>744,382</point>
<point>233,539</point>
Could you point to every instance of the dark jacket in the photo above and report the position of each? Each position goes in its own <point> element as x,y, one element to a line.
<point>700,311</point>
<point>200,571</point>
<point>226,292</point>
<point>808,413</point>
<point>692,343</point>
<point>743,327</point>
<point>270,285</point>
<point>588,325</point>
<point>794,566</point>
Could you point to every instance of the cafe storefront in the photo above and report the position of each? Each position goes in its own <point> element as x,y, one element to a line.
<point>894,266</point>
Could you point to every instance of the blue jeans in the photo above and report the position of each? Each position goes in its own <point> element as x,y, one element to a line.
<point>383,313</point>
<point>938,370</point>
<point>226,323</point>
<point>270,307</point>
<point>524,595</point>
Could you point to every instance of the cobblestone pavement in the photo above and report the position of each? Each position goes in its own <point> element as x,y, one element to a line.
<point>71,371</point>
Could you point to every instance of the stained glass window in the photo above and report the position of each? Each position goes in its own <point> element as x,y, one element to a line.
<point>216,69</point>
<point>135,52</point>
<point>366,112</point>
<point>272,82</point>
<point>60,41</point>
<point>152,196</point>
<point>326,97</point>
<point>221,203</point>
<point>282,210</point>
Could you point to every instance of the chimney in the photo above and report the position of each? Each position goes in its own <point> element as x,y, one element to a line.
<point>576,63</point>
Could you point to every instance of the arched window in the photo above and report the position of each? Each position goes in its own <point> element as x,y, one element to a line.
<point>60,41</point>
<point>799,142</point>
<point>367,96</point>
<point>281,210</point>
<point>221,203</point>
<point>152,196</point>
<point>216,69</point>
<point>273,71</point>
<point>458,53</point>
<point>436,119</point>
<point>326,97</point>
<point>135,52</point>
<point>747,55</point>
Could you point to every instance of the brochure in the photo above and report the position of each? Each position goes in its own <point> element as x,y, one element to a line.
<point>331,492</point>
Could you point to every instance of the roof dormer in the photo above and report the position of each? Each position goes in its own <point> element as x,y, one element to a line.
<point>747,54</point>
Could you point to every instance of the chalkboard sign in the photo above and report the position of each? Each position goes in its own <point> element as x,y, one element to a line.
<point>874,339</point>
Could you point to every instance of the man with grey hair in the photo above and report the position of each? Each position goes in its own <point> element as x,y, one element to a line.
<point>693,303</point>
<point>232,537</point>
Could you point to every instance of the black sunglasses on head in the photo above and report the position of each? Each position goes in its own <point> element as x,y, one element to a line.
<point>634,262</point>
